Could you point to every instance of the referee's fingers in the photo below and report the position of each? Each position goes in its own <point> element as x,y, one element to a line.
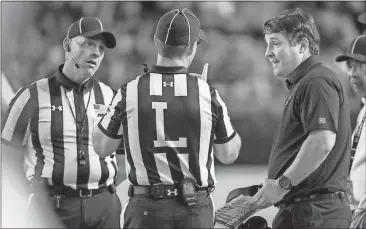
<point>204,72</point>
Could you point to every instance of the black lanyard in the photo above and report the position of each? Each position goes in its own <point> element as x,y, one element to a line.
<point>356,137</point>
<point>81,154</point>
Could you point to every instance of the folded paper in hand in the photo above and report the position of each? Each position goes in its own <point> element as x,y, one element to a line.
<point>236,211</point>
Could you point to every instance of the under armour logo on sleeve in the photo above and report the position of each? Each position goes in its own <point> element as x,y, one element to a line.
<point>54,108</point>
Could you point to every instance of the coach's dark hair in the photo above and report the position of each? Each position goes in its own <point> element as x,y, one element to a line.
<point>296,25</point>
<point>172,52</point>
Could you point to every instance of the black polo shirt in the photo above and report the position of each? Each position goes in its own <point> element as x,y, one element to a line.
<point>316,101</point>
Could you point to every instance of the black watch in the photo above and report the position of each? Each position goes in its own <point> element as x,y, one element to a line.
<point>284,182</point>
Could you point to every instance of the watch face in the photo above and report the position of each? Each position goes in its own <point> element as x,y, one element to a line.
<point>285,183</point>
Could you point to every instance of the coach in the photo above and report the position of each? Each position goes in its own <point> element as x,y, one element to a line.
<point>52,121</point>
<point>310,156</point>
<point>173,123</point>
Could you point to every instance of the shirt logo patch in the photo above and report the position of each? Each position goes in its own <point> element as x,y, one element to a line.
<point>58,108</point>
<point>171,84</point>
<point>322,120</point>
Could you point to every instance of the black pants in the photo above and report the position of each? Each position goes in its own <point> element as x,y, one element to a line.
<point>99,211</point>
<point>142,212</point>
<point>328,213</point>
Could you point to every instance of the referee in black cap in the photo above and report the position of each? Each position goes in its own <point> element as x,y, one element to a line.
<point>51,121</point>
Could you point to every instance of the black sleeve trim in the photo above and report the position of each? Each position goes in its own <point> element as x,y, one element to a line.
<point>224,140</point>
<point>104,131</point>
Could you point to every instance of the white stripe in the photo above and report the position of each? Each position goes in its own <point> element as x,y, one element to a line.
<point>212,169</point>
<point>133,131</point>
<point>189,28</point>
<point>95,171</point>
<point>123,213</point>
<point>206,126</point>
<point>228,126</point>
<point>80,25</point>
<point>180,85</point>
<point>184,164</point>
<point>14,115</point>
<point>111,170</point>
<point>101,26</point>
<point>30,197</point>
<point>162,166</point>
<point>70,166</point>
<point>156,81</point>
<point>170,25</point>
<point>44,125</point>
<point>354,43</point>
<point>214,209</point>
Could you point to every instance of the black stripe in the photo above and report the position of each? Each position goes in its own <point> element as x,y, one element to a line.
<point>195,128</point>
<point>104,171</point>
<point>174,163</point>
<point>83,171</point>
<point>17,96</point>
<point>121,148</point>
<point>11,104</point>
<point>115,170</point>
<point>147,128</point>
<point>34,131</point>
<point>21,125</point>
<point>220,126</point>
<point>57,131</point>
<point>98,94</point>
<point>132,175</point>
<point>212,137</point>
<point>99,99</point>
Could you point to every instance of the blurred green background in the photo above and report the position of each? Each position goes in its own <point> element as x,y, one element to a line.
<point>32,35</point>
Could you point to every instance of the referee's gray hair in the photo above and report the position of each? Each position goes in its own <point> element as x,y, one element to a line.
<point>295,25</point>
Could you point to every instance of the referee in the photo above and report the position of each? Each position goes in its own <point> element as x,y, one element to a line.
<point>51,120</point>
<point>173,124</point>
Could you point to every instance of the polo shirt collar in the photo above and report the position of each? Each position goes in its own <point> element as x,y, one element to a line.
<point>301,71</point>
<point>168,69</point>
<point>69,84</point>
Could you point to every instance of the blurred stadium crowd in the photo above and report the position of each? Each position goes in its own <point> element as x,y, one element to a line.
<point>32,35</point>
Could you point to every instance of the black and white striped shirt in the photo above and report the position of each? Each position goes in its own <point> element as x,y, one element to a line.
<point>169,120</point>
<point>42,117</point>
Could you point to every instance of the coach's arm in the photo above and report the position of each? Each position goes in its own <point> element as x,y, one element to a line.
<point>228,152</point>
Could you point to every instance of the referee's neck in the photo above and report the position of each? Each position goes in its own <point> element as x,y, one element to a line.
<point>163,61</point>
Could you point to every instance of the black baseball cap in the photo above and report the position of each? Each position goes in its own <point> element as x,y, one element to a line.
<point>89,27</point>
<point>179,28</point>
<point>356,51</point>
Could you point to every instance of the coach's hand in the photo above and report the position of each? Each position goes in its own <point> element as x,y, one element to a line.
<point>269,194</point>
<point>202,76</point>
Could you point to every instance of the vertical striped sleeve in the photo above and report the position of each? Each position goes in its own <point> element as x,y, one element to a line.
<point>224,129</point>
<point>111,123</point>
<point>18,117</point>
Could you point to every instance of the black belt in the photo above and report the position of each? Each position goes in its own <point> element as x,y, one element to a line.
<point>66,191</point>
<point>170,191</point>
<point>312,197</point>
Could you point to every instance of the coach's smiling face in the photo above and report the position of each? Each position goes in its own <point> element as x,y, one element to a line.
<point>283,56</point>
